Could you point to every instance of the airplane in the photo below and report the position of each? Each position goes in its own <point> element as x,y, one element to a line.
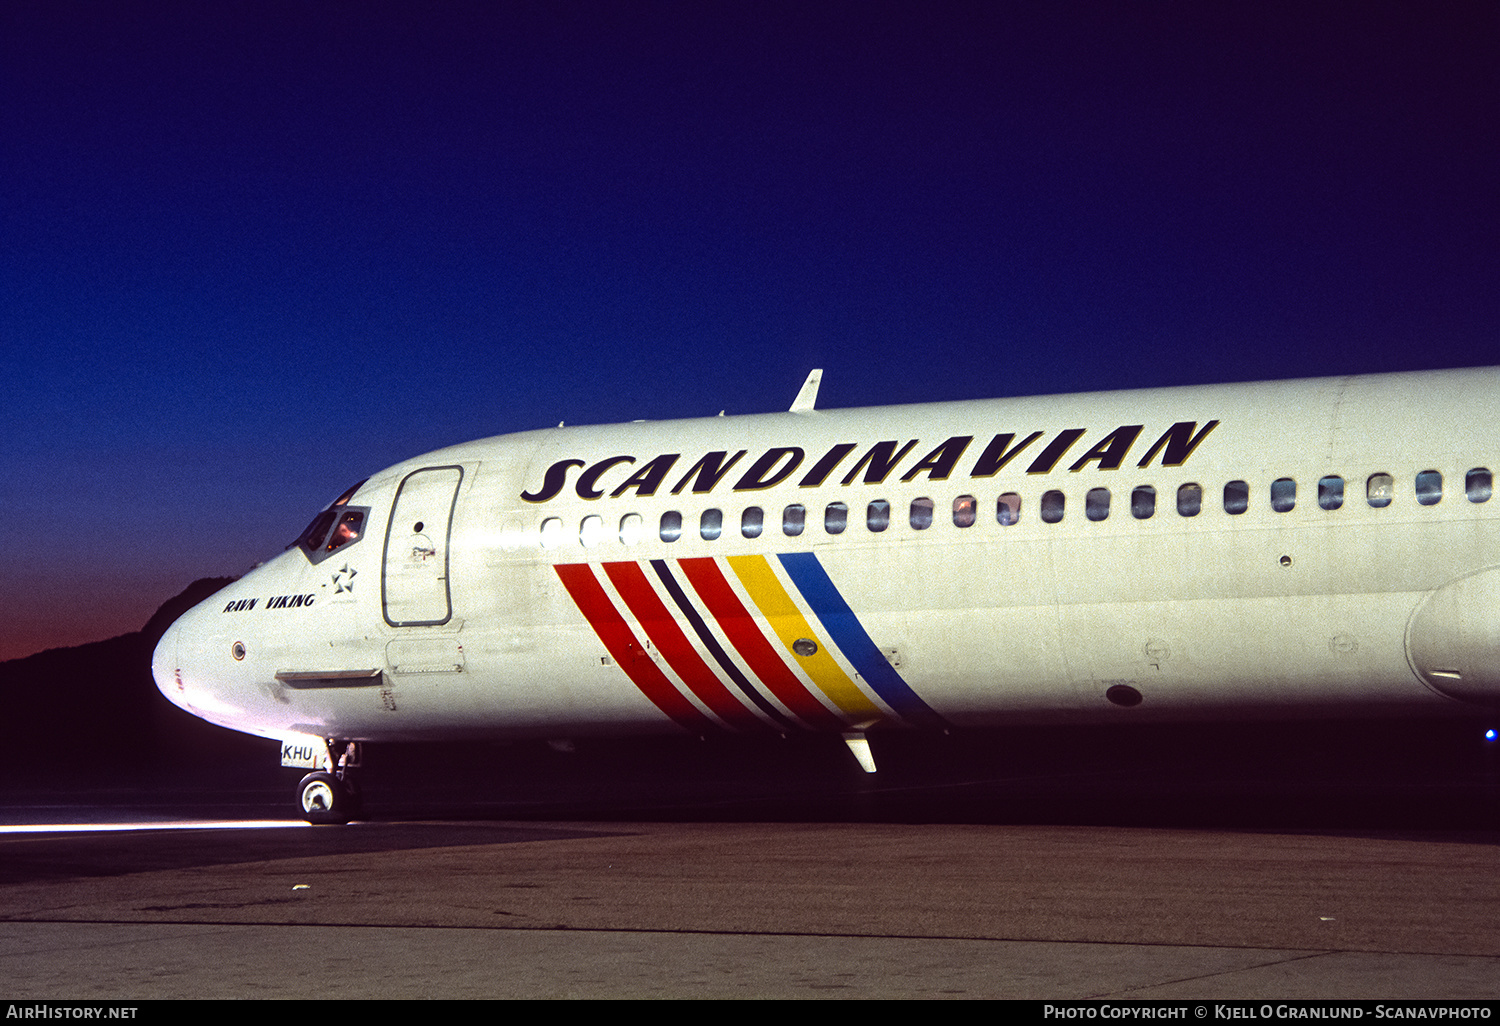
<point>1305,547</point>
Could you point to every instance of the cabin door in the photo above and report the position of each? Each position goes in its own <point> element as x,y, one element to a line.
<point>414,582</point>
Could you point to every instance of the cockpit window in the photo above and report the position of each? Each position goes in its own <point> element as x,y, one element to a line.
<point>337,526</point>
<point>343,500</point>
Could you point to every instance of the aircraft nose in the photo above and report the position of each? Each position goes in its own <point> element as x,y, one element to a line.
<point>165,665</point>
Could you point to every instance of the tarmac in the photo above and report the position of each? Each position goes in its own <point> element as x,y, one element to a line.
<point>140,900</point>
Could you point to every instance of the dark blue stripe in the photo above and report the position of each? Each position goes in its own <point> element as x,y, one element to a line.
<point>712,644</point>
<point>849,634</point>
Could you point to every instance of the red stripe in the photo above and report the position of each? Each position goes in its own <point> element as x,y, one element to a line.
<point>744,633</point>
<point>649,611</point>
<point>620,642</point>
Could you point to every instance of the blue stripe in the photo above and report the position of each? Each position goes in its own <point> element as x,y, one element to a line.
<point>849,634</point>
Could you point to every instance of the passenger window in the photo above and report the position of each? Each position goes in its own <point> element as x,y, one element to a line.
<point>630,528</point>
<point>1189,499</point>
<point>1283,494</point>
<point>1330,492</point>
<point>921,514</point>
<point>1052,506</point>
<point>1379,490</point>
<point>878,515</point>
<point>965,511</point>
<point>552,533</point>
<point>1096,503</point>
<point>1143,502</point>
<point>792,520</point>
<point>711,524</point>
<point>591,530</point>
<point>1236,497</point>
<point>1429,487</point>
<point>1477,485</point>
<point>751,522</point>
<point>1008,509</point>
<point>836,518</point>
<point>671,525</point>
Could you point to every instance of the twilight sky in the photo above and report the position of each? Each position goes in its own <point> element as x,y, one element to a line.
<point>252,252</point>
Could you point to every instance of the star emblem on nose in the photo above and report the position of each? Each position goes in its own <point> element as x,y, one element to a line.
<point>344,580</point>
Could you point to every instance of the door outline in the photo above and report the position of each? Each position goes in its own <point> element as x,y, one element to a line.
<point>446,511</point>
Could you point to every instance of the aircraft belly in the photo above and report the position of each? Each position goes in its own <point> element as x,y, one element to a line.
<point>1033,640</point>
<point>1272,652</point>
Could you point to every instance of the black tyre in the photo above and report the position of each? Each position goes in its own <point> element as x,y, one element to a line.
<point>322,798</point>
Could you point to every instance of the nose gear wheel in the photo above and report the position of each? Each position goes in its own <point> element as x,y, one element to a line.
<point>324,798</point>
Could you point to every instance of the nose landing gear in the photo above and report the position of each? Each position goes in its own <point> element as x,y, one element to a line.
<point>324,798</point>
<point>329,794</point>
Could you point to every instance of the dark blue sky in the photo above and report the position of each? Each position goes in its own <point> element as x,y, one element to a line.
<point>252,252</point>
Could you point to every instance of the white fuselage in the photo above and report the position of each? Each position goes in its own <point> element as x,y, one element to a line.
<point>612,579</point>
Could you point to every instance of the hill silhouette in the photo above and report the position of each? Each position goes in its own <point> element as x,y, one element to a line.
<point>92,712</point>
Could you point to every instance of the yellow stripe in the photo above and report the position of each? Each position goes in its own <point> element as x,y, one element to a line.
<point>789,624</point>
